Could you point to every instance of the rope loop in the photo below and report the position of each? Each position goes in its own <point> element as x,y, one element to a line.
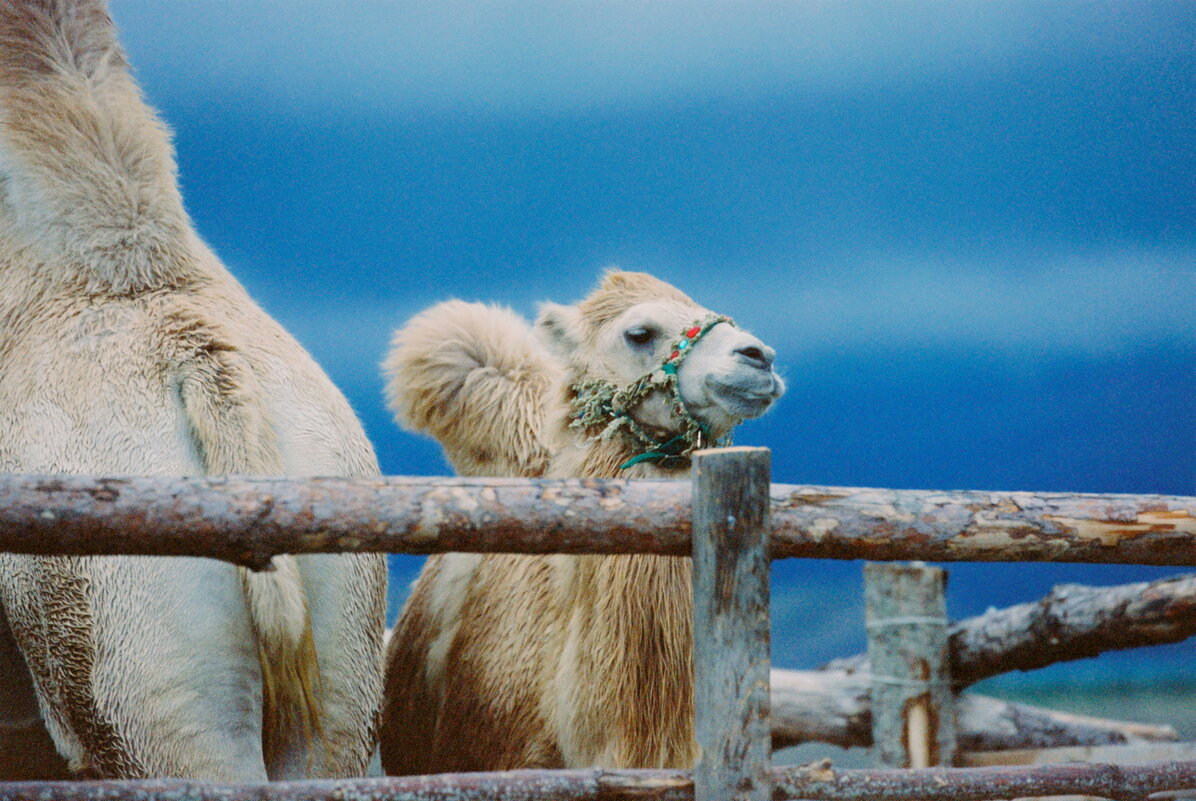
<point>600,405</point>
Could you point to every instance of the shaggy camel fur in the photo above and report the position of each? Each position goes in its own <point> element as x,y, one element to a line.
<point>127,348</point>
<point>508,661</point>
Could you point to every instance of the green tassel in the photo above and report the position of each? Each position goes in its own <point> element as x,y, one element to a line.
<point>669,450</point>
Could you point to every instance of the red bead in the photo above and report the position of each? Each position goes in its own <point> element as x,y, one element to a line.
<point>693,332</point>
<point>674,355</point>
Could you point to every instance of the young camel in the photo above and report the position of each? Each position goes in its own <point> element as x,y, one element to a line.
<point>127,348</point>
<point>508,661</point>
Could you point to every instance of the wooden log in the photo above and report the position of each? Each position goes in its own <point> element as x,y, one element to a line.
<point>913,705</point>
<point>249,520</point>
<point>1072,622</point>
<point>1135,753</point>
<point>731,624</point>
<point>540,785</point>
<point>832,706</point>
<point>1121,782</point>
<point>817,782</point>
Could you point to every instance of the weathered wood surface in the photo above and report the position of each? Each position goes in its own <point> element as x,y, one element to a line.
<point>833,706</point>
<point>573,785</point>
<point>1113,754</point>
<point>1121,782</point>
<point>731,624</point>
<point>248,520</point>
<point>818,781</point>
<point>913,706</point>
<point>1072,622</point>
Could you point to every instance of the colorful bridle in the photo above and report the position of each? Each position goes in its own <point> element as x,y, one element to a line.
<point>601,403</point>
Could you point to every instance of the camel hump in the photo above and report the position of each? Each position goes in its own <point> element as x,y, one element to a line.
<point>89,170</point>
<point>231,425</point>
<point>476,378</point>
<point>44,38</point>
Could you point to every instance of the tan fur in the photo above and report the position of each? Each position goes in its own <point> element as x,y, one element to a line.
<point>475,378</point>
<point>506,661</point>
<point>127,348</point>
<point>225,409</point>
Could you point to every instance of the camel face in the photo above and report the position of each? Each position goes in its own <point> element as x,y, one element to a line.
<point>727,377</point>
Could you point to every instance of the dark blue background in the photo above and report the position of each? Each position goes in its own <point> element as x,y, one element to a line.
<point>968,229</point>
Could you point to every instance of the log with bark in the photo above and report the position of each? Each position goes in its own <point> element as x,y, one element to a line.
<point>817,782</point>
<point>1072,622</point>
<point>250,520</point>
<point>833,706</point>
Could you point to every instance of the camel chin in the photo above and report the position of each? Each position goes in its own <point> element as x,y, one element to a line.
<point>745,396</point>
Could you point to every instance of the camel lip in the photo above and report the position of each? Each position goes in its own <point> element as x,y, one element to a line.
<point>740,402</point>
<point>746,401</point>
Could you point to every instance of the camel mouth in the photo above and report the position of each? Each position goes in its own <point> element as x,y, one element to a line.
<point>746,399</point>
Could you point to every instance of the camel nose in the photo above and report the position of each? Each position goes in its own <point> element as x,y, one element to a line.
<point>757,354</point>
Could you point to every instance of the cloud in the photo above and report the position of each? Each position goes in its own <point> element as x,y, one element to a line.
<point>525,55</point>
<point>1060,304</point>
<point>1096,303</point>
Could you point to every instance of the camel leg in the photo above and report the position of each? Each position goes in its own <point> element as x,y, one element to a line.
<point>149,664</point>
<point>346,595</point>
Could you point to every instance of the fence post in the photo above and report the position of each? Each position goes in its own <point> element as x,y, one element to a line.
<point>731,619</point>
<point>913,705</point>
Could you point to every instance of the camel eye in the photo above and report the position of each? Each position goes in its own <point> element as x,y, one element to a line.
<point>639,336</point>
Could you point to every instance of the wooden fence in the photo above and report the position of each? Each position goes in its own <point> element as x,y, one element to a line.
<point>731,520</point>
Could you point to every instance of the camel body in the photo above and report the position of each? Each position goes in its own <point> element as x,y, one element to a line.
<point>127,348</point>
<point>503,661</point>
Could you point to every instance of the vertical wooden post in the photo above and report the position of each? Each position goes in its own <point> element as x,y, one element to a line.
<point>731,636</point>
<point>913,706</point>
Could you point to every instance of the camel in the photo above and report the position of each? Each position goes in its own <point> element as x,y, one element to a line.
<point>126,347</point>
<point>504,661</point>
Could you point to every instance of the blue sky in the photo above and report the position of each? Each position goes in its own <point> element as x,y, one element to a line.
<point>968,228</point>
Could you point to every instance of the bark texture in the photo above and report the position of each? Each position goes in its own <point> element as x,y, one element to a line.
<point>247,521</point>
<point>913,704</point>
<point>1072,622</point>
<point>818,782</point>
<point>731,632</point>
<point>833,706</point>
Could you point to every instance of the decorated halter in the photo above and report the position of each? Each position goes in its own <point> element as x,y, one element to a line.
<point>601,403</point>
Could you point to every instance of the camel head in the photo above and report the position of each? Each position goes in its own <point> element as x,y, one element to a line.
<point>665,365</point>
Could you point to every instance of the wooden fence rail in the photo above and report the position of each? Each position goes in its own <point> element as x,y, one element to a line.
<point>1119,782</point>
<point>249,520</point>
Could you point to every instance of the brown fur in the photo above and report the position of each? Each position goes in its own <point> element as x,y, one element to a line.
<point>504,661</point>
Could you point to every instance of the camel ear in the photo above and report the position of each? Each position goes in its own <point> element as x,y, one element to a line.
<point>560,328</point>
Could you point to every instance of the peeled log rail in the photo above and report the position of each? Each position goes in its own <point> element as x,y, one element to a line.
<point>249,520</point>
<point>819,781</point>
<point>833,706</point>
<point>1073,621</point>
